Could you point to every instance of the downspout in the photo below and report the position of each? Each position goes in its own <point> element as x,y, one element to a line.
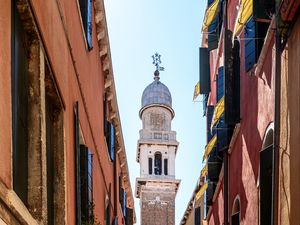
<point>276,141</point>
<point>225,154</point>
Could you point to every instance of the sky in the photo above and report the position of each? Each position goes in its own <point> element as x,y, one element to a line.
<point>137,30</point>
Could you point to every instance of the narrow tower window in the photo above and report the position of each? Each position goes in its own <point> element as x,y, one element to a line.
<point>150,165</point>
<point>157,164</point>
<point>166,166</point>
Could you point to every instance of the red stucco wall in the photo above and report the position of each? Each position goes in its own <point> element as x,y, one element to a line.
<point>257,107</point>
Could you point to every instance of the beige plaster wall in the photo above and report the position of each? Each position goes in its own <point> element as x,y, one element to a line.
<point>289,161</point>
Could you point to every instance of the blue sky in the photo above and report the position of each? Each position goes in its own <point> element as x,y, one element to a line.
<point>138,29</point>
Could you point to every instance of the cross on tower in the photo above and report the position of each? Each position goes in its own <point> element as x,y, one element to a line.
<point>157,62</point>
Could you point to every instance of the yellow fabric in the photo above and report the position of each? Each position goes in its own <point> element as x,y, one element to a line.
<point>210,14</point>
<point>210,146</point>
<point>246,9</point>
<point>196,91</point>
<point>204,170</point>
<point>219,109</point>
<point>201,191</point>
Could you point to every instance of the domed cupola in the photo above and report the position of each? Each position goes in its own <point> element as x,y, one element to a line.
<point>156,94</point>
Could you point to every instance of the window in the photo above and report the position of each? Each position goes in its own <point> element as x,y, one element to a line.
<point>235,216</point>
<point>110,140</point>
<point>266,185</point>
<point>86,184</point>
<point>86,17</point>
<point>232,86</point>
<point>157,164</point>
<point>214,29</point>
<point>20,108</point>
<point>254,34</point>
<point>122,198</point>
<point>150,165</point>
<point>204,71</point>
<point>84,176</point>
<point>166,166</point>
<point>54,153</point>
<point>198,216</point>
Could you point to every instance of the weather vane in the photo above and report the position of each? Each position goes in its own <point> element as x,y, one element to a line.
<point>157,62</point>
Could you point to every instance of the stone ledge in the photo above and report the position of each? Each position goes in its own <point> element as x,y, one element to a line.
<point>14,210</point>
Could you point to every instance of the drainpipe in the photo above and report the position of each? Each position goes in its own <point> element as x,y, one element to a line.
<point>276,137</point>
<point>225,153</point>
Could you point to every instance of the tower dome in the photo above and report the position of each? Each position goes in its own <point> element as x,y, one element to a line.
<point>156,93</point>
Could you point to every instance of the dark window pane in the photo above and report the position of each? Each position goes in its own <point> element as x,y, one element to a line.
<point>198,216</point>
<point>166,166</point>
<point>157,164</point>
<point>266,185</point>
<point>150,165</point>
<point>19,107</point>
<point>86,17</point>
<point>235,219</point>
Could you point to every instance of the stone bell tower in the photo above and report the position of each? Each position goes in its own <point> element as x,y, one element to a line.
<point>156,151</point>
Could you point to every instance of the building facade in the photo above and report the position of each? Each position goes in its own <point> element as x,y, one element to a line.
<point>289,154</point>
<point>63,159</point>
<point>156,151</point>
<point>245,69</point>
<point>247,65</point>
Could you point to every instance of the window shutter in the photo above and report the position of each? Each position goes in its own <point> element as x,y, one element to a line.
<point>204,70</point>
<point>214,29</point>
<point>124,204</point>
<point>77,164</point>
<point>232,87</point>
<point>129,216</point>
<point>89,25</point>
<point>86,16</point>
<point>112,142</point>
<point>150,165</point>
<point>84,183</point>
<point>209,115</point>
<point>254,35</point>
<point>198,216</point>
<point>90,185</point>
<point>220,83</point>
<point>250,44</point>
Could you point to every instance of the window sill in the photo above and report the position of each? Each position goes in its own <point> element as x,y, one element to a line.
<point>15,210</point>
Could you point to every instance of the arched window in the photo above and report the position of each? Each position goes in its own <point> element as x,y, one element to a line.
<point>235,216</point>
<point>150,166</point>
<point>157,163</point>
<point>265,180</point>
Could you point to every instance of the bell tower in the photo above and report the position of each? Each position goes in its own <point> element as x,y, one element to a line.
<point>156,151</point>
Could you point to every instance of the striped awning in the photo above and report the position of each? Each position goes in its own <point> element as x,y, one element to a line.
<point>204,170</point>
<point>219,109</point>
<point>201,191</point>
<point>246,9</point>
<point>209,146</point>
<point>210,14</point>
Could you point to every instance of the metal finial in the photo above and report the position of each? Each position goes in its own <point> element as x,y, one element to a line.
<point>157,62</point>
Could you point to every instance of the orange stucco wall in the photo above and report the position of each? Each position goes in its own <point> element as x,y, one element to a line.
<point>5,96</point>
<point>79,77</point>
